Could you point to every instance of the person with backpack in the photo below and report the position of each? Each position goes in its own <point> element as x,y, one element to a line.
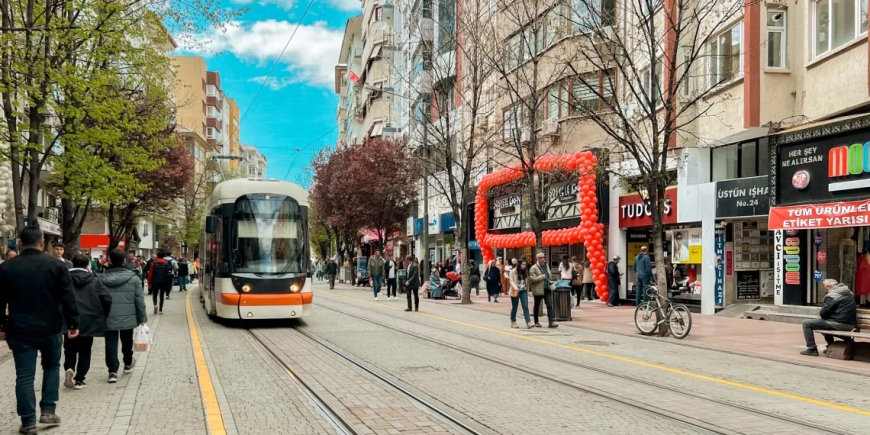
<point>147,268</point>
<point>94,304</point>
<point>183,272</point>
<point>160,280</point>
<point>174,269</point>
<point>128,311</point>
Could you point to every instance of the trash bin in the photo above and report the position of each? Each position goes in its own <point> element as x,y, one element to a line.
<point>562,301</point>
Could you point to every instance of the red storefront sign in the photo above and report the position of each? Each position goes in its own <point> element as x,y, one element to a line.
<point>634,213</point>
<point>830,215</point>
<point>91,241</point>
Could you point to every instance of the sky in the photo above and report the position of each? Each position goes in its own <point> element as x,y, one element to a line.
<point>298,104</point>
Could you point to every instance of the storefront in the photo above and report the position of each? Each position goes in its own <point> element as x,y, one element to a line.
<point>96,245</point>
<point>505,212</point>
<point>742,208</point>
<point>821,217</point>
<point>636,222</point>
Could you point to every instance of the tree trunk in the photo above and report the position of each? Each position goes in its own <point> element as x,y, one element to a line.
<point>656,198</point>
<point>464,269</point>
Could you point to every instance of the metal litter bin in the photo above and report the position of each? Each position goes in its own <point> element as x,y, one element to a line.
<point>562,301</point>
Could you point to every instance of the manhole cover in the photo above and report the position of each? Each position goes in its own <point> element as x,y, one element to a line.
<point>592,343</point>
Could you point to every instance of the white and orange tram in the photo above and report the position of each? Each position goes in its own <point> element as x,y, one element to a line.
<point>255,247</point>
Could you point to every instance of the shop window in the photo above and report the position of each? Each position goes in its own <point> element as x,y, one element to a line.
<point>749,160</point>
<point>724,163</point>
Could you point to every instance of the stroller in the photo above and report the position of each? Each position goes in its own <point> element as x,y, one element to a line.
<point>362,280</point>
<point>450,286</point>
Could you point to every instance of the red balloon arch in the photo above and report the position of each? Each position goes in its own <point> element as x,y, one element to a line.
<point>590,232</point>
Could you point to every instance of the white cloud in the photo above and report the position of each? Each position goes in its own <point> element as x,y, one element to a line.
<point>310,57</point>
<point>346,5</point>
<point>283,4</point>
<point>274,83</point>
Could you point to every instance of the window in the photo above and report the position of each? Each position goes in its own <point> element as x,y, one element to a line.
<point>487,101</point>
<point>512,121</point>
<point>211,91</point>
<point>837,22</point>
<point>600,14</point>
<point>557,102</point>
<point>203,107</point>
<point>748,159</point>
<point>645,6</point>
<point>203,85</point>
<point>535,38</point>
<point>587,89</point>
<point>653,82</point>
<point>210,134</point>
<point>211,112</point>
<point>725,163</point>
<point>725,62</point>
<point>446,26</point>
<point>776,39</point>
<point>376,14</point>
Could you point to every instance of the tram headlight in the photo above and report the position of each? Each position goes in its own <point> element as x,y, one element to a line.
<point>294,288</point>
<point>246,288</point>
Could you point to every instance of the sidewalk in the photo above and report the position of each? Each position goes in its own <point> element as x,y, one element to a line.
<point>160,396</point>
<point>770,340</point>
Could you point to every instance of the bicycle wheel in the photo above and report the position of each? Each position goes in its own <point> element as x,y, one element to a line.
<point>680,319</point>
<point>645,318</point>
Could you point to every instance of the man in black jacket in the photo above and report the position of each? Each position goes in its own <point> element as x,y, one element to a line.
<point>39,294</point>
<point>331,271</point>
<point>94,303</point>
<point>839,313</point>
<point>412,285</point>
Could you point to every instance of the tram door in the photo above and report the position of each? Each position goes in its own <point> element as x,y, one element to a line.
<point>211,257</point>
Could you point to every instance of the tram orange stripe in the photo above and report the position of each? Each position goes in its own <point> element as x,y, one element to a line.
<point>270,300</point>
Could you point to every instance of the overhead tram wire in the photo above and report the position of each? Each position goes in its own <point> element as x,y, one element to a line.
<point>275,64</point>
<point>299,150</point>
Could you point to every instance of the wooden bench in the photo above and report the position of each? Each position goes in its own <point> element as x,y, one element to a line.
<point>851,350</point>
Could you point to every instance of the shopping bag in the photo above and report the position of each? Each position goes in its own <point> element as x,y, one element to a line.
<point>142,339</point>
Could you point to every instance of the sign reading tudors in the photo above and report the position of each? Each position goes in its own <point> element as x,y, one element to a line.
<point>830,169</point>
<point>742,197</point>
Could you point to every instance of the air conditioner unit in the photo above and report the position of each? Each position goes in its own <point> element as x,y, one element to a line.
<point>525,135</point>
<point>551,127</point>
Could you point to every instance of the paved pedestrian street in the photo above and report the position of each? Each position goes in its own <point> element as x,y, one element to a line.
<point>359,366</point>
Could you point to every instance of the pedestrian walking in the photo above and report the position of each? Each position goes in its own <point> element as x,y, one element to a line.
<point>376,271</point>
<point>147,268</point>
<point>128,311</point>
<point>94,304</point>
<point>577,280</point>
<point>193,271</point>
<point>183,273</point>
<point>58,251</point>
<point>474,277</point>
<point>643,271</point>
<point>174,271</point>
<point>413,283</point>
<point>390,272</point>
<point>331,271</point>
<point>613,281</point>
<point>319,269</point>
<point>492,276</point>
<point>520,293</point>
<point>588,281</point>
<point>160,281</point>
<point>566,271</point>
<point>38,293</point>
<point>539,282</point>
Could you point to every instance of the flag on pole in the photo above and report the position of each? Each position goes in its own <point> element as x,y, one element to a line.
<point>353,75</point>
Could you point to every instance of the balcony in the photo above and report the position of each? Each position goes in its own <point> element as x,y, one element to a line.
<point>213,102</point>
<point>213,123</point>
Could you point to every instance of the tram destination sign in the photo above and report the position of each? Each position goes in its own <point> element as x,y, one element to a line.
<point>742,197</point>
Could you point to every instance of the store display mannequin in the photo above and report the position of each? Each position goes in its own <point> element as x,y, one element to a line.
<point>862,277</point>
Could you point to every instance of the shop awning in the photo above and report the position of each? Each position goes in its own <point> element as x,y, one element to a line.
<point>743,136</point>
<point>829,215</point>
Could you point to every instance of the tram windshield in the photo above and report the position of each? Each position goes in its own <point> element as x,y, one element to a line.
<point>269,235</point>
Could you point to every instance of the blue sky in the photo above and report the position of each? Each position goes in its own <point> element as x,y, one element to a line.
<point>298,103</point>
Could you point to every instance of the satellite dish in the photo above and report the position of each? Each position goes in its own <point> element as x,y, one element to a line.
<point>382,25</point>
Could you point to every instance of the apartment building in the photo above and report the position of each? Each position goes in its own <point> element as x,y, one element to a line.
<point>234,137</point>
<point>253,163</point>
<point>346,77</point>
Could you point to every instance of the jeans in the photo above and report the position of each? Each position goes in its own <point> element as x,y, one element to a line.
<point>24,351</point>
<point>159,290</point>
<point>377,282</point>
<point>182,283</point>
<point>642,284</point>
<point>821,325</point>
<point>613,297</point>
<point>416,293</point>
<point>523,299</point>
<point>112,348</point>
<point>547,297</point>
<point>331,281</point>
<point>391,284</point>
<point>77,348</point>
<point>589,290</point>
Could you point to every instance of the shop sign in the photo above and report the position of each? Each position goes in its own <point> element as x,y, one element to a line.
<point>719,288</point>
<point>634,213</point>
<point>831,169</point>
<point>409,230</point>
<point>686,246</point>
<point>817,275</point>
<point>789,266</point>
<point>831,215</point>
<point>817,240</point>
<point>821,256</point>
<point>748,285</point>
<point>729,262</point>
<point>563,200</point>
<point>434,224</point>
<point>506,212</point>
<point>473,245</point>
<point>742,197</point>
<point>636,240</point>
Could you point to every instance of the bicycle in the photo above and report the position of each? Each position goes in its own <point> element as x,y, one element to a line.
<point>649,315</point>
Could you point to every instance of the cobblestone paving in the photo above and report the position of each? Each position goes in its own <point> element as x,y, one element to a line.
<point>822,385</point>
<point>371,406</point>
<point>160,397</point>
<point>256,396</point>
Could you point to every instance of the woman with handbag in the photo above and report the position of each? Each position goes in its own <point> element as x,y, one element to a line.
<point>576,280</point>
<point>588,281</point>
<point>519,293</point>
<point>492,275</point>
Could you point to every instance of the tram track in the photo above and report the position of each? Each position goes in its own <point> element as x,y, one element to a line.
<point>682,419</point>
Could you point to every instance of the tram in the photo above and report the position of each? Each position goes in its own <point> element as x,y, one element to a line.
<point>255,262</point>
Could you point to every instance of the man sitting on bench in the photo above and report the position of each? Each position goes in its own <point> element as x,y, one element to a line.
<point>839,313</point>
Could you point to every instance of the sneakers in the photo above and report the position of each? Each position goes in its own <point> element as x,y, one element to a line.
<point>160,312</point>
<point>167,297</point>
<point>27,430</point>
<point>514,325</point>
<point>68,378</point>
<point>129,368</point>
<point>80,385</point>
<point>49,419</point>
<point>113,377</point>
<point>155,310</point>
<point>537,325</point>
<point>810,352</point>
<point>407,309</point>
<point>529,325</point>
<point>552,325</point>
<point>376,298</point>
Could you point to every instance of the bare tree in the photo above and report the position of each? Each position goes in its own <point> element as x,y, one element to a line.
<point>653,89</point>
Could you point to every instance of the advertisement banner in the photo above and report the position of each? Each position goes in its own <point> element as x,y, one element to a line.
<point>687,247</point>
<point>831,215</point>
<point>748,285</point>
<point>790,267</point>
<point>719,288</point>
<point>778,281</point>
<point>636,240</point>
<point>634,213</point>
<point>825,170</point>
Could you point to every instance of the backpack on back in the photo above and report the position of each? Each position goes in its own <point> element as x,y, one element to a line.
<point>161,273</point>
